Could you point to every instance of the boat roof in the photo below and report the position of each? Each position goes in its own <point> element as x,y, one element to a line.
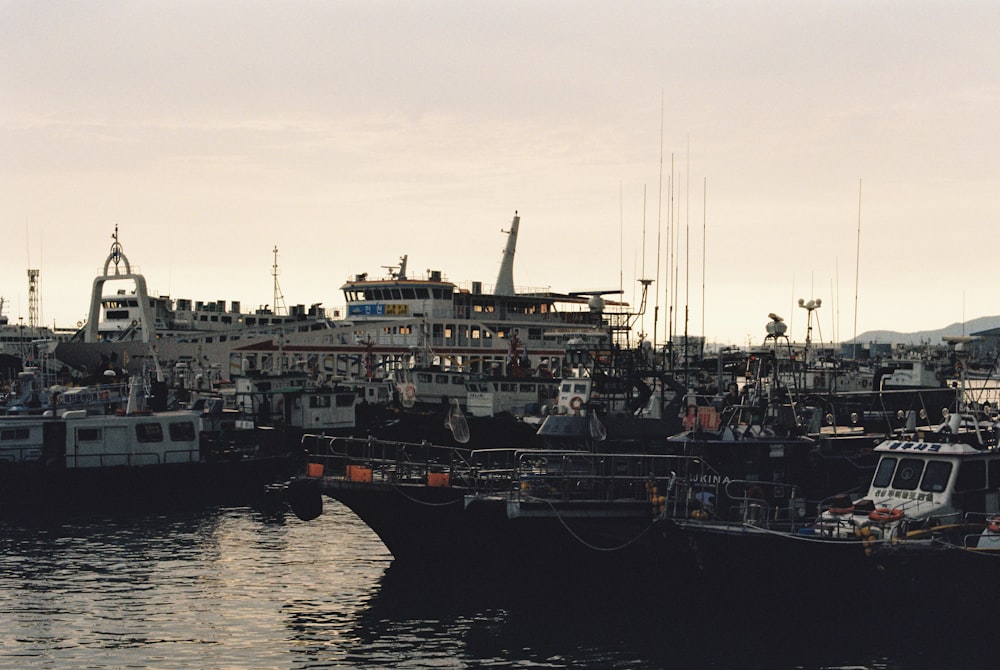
<point>919,447</point>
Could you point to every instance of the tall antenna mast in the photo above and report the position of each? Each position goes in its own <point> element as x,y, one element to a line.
<point>279,299</point>
<point>659,227</point>
<point>857,271</point>
<point>32,298</point>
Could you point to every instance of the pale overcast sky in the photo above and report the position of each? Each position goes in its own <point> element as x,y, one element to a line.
<point>348,134</point>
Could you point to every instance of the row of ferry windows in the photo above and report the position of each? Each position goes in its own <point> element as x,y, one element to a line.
<point>401,293</point>
<point>124,315</point>
<point>179,431</point>
<point>905,474</point>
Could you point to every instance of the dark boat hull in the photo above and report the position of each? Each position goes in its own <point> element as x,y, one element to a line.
<point>33,490</point>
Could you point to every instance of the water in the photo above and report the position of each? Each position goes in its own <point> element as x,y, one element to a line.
<point>238,588</point>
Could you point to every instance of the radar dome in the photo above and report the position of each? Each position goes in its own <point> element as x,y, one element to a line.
<point>596,304</point>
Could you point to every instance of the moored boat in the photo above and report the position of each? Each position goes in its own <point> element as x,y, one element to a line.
<point>927,525</point>
<point>70,460</point>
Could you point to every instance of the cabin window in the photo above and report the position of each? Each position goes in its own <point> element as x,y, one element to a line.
<point>318,401</point>
<point>88,435</point>
<point>422,294</point>
<point>527,388</point>
<point>409,294</point>
<point>458,380</point>
<point>181,431</point>
<point>345,400</point>
<point>424,377</point>
<point>116,314</point>
<point>14,434</point>
<point>441,379</point>
<point>971,476</point>
<point>936,476</point>
<point>149,432</point>
<point>883,474</point>
<point>908,474</point>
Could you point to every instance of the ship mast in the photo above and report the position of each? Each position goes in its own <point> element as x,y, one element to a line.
<point>279,299</point>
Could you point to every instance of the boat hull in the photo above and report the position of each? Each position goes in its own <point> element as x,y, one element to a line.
<point>33,490</point>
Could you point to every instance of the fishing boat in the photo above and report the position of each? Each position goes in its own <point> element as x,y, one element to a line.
<point>926,526</point>
<point>81,457</point>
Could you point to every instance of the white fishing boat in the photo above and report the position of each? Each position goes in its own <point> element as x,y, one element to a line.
<point>70,460</point>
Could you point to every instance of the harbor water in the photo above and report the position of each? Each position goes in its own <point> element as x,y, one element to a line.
<point>242,588</point>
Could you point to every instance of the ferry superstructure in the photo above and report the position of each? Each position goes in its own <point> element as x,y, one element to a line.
<point>392,322</point>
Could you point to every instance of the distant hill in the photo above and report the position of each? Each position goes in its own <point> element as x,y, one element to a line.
<point>929,336</point>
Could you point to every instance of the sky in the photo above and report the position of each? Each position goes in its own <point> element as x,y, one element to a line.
<point>743,155</point>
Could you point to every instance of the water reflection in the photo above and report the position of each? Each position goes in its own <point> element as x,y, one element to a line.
<point>242,588</point>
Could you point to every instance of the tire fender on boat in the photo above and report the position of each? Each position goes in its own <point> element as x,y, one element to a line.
<point>886,515</point>
<point>305,498</point>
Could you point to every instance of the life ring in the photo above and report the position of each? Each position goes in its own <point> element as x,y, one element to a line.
<point>993,524</point>
<point>886,515</point>
<point>575,403</point>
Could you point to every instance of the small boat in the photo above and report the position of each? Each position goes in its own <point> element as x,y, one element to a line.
<point>927,525</point>
<point>72,459</point>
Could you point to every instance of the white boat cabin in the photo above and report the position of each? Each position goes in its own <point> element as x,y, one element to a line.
<point>77,440</point>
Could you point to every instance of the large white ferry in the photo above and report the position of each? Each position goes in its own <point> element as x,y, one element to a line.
<point>389,323</point>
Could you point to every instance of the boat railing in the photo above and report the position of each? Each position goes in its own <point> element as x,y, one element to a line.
<point>772,505</point>
<point>370,459</point>
<point>129,459</point>
<point>671,484</point>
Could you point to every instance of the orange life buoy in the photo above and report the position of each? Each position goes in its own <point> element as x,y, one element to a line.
<point>575,403</point>
<point>885,515</point>
<point>993,524</point>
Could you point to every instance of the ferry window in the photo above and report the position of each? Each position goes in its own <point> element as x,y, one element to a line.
<point>409,294</point>
<point>396,294</point>
<point>88,435</point>
<point>441,379</point>
<point>424,377</point>
<point>422,294</point>
<point>117,314</point>
<point>908,474</point>
<point>566,388</point>
<point>149,432</point>
<point>527,388</point>
<point>579,388</point>
<point>345,400</point>
<point>936,476</point>
<point>181,431</point>
<point>317,401</point>
<point>14,434</point>
<point>971,476</point>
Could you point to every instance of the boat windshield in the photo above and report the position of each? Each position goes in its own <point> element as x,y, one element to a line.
<point>883,475</point>
<point>936,477</point>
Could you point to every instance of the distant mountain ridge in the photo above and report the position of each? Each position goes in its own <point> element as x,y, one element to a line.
<point>929,336</point>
